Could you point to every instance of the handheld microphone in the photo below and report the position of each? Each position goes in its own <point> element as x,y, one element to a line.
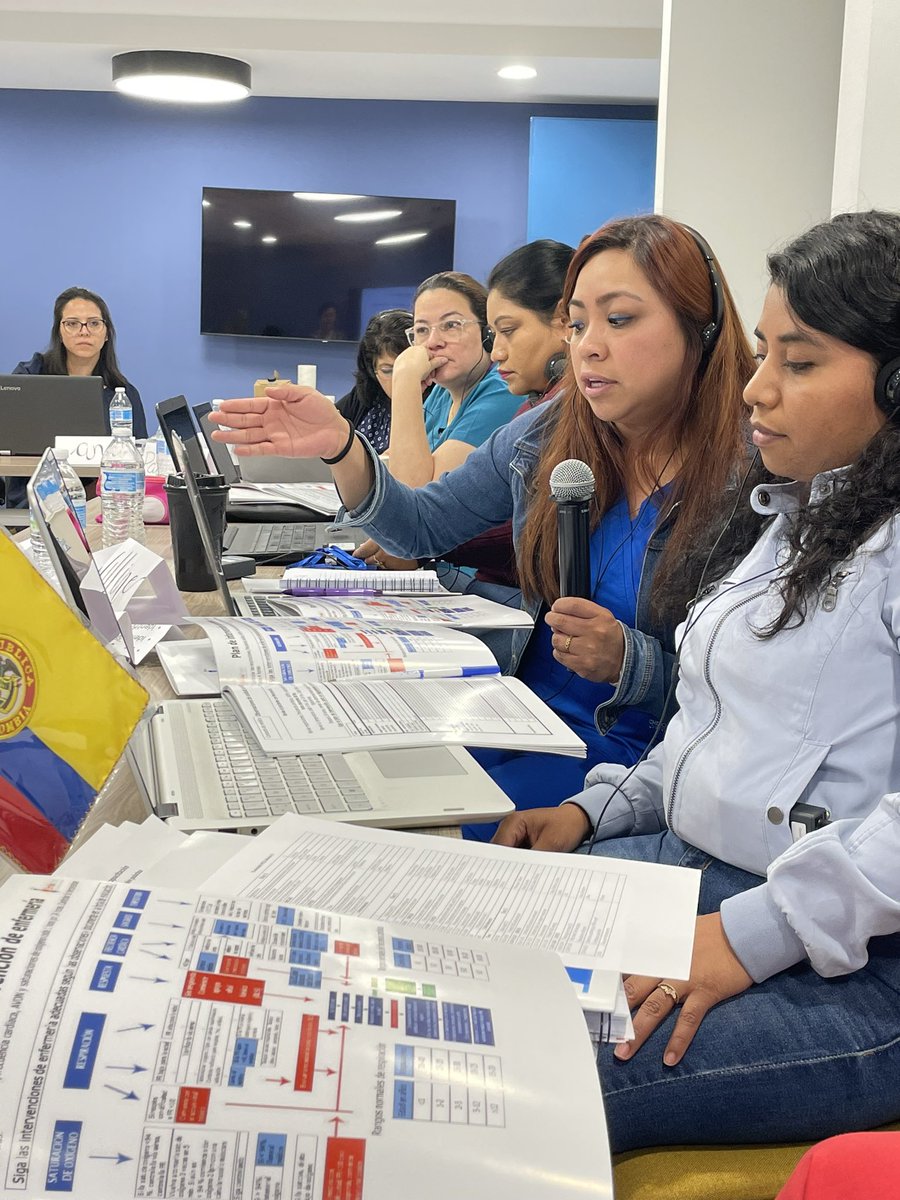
<point>572,486</point>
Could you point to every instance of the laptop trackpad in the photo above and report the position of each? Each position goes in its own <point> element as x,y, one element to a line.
<point>417,763</point>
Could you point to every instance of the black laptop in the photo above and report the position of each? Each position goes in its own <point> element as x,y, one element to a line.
<point>34,409</point>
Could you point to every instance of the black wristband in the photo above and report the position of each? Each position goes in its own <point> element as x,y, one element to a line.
<point>329,462</point>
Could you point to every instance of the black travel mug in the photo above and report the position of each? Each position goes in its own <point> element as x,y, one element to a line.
<point>192,572</point>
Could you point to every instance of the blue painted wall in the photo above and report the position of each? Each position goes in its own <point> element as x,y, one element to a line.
<point>612,164</point>
<point>104,191</point>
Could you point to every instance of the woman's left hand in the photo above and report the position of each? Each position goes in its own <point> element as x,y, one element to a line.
<point>716,975</point>
<point>372,553</point>
<point>587,639</point>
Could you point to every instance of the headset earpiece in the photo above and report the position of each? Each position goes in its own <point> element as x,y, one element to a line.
<point>487,338</point>
<point>709,334</point>
<point>556,366</point>
<point>887,387</point>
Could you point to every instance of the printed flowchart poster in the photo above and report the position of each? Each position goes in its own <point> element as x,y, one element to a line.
<point>156,1044</point>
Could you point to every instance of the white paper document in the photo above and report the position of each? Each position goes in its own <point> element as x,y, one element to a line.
<point>383,714</point>
<point>621,916</point>
<point>129,592</point>
<point>320,497</point>
<point>161,1044</point>
<point>448,608</point>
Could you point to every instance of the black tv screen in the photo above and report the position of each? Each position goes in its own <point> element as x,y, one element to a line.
<point>315,265</point>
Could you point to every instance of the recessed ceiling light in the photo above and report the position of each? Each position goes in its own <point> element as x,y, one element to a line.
<point>330,197</point>
<point>181,76</point>
<point>396,238</point>
<point>243,224</point>
<point>206,203</point>
<point>380,214</point>
<point>268,239</point>
<point>517,72</point>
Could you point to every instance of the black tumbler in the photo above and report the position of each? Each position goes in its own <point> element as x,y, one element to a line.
<point>192,574</point>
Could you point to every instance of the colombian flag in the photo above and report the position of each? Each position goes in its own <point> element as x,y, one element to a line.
<point>66,711</point>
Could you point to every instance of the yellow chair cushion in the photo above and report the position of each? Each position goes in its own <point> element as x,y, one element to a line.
<point>707,1172</point>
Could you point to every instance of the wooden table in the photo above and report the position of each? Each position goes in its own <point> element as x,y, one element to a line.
<point>120,799</point>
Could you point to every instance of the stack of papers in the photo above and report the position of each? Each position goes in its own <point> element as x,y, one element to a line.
<point>320,497</point>
<point>384,714</point>
<point>445,608</point>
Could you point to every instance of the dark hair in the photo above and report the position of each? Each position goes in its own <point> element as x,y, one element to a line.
<point>533,276</point>
<point>465,285</point>
<point>55,360</point>
<point>384,334</point>
<point>705,421</point>
<point>842,278</point>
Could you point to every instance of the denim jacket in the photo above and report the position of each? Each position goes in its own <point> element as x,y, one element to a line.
<point>494,485</point>
<point>809,716</point>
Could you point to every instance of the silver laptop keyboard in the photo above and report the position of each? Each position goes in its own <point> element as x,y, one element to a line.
<point>259,606</point>
<point>259,785</point>
<point>282,539</point>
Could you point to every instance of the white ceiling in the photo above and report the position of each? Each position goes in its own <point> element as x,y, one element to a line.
<point>586,51</point>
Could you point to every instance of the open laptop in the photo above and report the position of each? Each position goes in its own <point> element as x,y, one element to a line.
<point>281,541</point>
<point>35,408</point>
<point>210,773</point>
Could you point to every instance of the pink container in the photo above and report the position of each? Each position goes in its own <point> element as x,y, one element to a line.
<point>156,502</point>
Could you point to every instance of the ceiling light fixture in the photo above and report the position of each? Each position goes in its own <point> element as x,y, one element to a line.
<point>181,75</point>
<point>269,239</point>
<point>396,238</point>
<point>331,197</point>
<point>517,72</point>
<point>380,214</point>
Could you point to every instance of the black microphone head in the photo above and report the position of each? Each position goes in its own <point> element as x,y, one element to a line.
<point>571,480</point>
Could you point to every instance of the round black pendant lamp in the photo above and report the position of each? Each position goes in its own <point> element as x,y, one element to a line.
<point>181,75</point>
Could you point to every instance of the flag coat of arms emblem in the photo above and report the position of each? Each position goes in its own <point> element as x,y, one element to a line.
<point>67,709</point>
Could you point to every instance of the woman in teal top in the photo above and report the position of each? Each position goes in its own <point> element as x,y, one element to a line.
<point>449,347</point>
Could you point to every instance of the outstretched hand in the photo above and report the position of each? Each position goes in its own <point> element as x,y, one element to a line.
<point>297,422</point>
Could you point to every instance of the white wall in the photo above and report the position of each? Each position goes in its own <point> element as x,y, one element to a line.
<point>867,161</point>
<point>748,112</point>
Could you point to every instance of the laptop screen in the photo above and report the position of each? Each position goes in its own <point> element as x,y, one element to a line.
<point>210,550</point>
<point>175,417</point>
<point>35,408</point>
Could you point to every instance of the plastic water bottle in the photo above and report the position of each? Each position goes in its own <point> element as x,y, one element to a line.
<point>122,489</point>
<point>120,413</point>
<point>39,555</point>
<point>74,486</point>
<point>164,464</point>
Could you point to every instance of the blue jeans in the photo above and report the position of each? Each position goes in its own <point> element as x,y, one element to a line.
<point>795,1058</point>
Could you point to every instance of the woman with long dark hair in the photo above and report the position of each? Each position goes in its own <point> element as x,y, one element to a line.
<point>82,342</point>
<point>368,405</point>
<point>651,400</point>
<point>779,775</point>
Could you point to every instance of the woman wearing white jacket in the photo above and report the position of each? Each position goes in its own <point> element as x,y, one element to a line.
<point>779,773</point>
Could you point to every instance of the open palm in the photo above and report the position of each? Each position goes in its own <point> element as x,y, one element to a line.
<point>297,422</point>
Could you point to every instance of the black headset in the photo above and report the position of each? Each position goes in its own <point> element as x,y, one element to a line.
<point>709,334</point>
<point>887,387</point>
<point>487,338</point>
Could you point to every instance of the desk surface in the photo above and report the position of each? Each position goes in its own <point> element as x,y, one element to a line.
<point>120,800</point>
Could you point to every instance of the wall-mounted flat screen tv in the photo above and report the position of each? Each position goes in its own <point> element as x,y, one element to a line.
<point>315,265</point>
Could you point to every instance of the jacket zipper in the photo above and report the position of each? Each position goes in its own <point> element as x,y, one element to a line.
<point>704,734</point>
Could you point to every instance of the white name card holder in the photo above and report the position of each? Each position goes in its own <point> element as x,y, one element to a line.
<point>83,451</point>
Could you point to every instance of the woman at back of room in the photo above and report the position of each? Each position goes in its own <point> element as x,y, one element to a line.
<point>652,403</point>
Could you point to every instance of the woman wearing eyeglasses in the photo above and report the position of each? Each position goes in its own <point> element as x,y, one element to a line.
<point>82,342</point>
<point>651,401</point>
<point>449,346</point>
<point>368,405</point>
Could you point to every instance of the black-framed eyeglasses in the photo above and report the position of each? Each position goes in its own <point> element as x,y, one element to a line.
<point>92,324</point>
